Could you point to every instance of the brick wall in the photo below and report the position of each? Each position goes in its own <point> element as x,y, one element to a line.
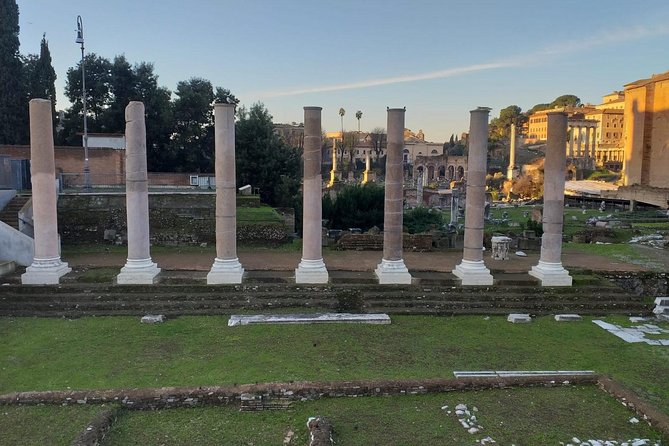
<point>71,159</point>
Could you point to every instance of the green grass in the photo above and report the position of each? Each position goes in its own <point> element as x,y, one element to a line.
<point>261,214</point>
<point>529,416</point>
<point>119,352</point>
<point>44,425</point>
<point>618,251</point>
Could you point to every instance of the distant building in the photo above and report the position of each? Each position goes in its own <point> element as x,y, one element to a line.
<point>292,134</point>
<point>647,132</point>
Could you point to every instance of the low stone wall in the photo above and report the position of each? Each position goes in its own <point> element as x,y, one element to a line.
<point>640,283</point>
<point>374,242</point>
<point>175,219</point>
<point>173,397</point>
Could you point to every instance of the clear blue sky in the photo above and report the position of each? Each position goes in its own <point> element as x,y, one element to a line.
<point>439,58</point>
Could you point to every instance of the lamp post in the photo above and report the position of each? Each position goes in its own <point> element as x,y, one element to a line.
<point>342,112</point>
<point>80,40</point>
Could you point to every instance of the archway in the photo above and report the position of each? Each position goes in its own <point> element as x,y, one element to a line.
<point>461,172</point>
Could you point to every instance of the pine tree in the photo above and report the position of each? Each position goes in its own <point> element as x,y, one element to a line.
<point>40,77</point>
<point>13,110</point>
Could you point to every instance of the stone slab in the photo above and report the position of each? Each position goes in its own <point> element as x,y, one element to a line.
<point>567,317</point>
<point>153,319</point>
<point>7,267</point>
<point>519,318</point>
<point>662,301</point>
<point>635,334</point>
<point>314,318</point>
<point>515,373</point>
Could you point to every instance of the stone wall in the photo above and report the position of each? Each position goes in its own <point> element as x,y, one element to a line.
<point>640,283</point>
<point>175,219</point>
<point>374,242</point>
<point>71,159</point>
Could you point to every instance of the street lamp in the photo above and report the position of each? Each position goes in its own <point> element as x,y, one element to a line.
<point>80,40</point>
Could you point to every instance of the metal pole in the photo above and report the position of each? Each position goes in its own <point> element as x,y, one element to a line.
<point>80,39</point>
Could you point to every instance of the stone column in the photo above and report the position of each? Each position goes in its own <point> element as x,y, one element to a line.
<point>311,268</point>
<point>333,172</point>
<point>46,268</point>
<point>392,270</point>
<point>594,142</point>
<point>511,171</point>
<point>550,270</point>
<point>139,269</point>
<point>579,142</point>
<point>472,270</point>
<point>571,141</point>
<point>587,142</point>
<point>365,174</point>
<point>226,268</point>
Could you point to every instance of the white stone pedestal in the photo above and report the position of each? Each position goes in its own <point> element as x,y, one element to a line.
<point>227,271</point>
<point>551,274</point>
<point>138,272</point>
<point>393,272</point>
<point>473,273</point>
<point>311,271</point>
<point>45,272</point>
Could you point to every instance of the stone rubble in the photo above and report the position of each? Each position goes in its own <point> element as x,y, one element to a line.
<point>468,421</point>
<point>519,318</point>
<point>633,442</point>
<point>153,319</point>
<point>637,333</point>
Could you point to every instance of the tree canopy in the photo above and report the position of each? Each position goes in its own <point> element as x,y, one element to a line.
<point>13,109</point>
<point>263,159</point>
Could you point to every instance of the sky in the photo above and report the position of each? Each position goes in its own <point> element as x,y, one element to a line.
<point>438,58</point>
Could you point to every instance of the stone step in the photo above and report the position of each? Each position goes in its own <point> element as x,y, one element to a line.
<point>222,307</point>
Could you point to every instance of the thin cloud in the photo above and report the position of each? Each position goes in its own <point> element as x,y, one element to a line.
<point>567,47</point>
<point>393,80</point>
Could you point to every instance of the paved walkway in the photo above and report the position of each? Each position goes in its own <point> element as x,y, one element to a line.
<point>259,260</point>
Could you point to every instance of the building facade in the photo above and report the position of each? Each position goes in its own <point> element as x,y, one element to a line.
<point>646,116</point>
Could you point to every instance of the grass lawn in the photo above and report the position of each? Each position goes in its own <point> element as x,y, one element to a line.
<point>43,425</point>
<point>261,214</point>
<point>619,251</point>
<point>527,416</point>
<point>119,352</point>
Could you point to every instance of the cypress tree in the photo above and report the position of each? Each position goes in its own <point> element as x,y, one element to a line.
<point>13,109</point>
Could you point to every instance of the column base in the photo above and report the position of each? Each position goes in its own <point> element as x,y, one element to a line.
<point>551,274</point>
<point>473,273</point>
<point>45,272</point>
<point>138,272</point>
<point>228,271</point>
<point>392,272</point>
<point>311,271</point>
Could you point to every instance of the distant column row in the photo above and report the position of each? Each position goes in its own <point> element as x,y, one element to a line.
<point>47,267</point>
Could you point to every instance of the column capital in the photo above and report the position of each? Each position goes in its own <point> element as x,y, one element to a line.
<point>481,110</point>
<point>224,105</point>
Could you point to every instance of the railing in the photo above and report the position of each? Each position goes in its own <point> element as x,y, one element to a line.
<point>113,182</point>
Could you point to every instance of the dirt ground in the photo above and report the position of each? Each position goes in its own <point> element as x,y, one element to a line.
<point>259,260</point>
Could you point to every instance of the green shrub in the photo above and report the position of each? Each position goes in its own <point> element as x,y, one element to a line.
<point>355,207</point>
<point>421,219</point>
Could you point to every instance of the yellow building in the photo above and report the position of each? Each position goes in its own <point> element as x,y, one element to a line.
<point>647,132</point>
